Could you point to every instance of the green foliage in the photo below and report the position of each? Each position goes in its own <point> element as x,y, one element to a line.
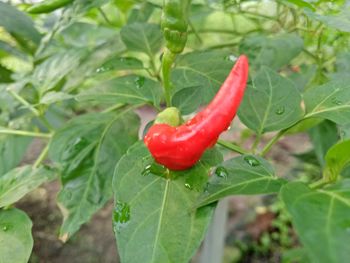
<point>87,149</point>
<point>321,219</point>
<point>15,236</point>
<point>74,79</point>
<point>20,181</point>
<point>150,208</point>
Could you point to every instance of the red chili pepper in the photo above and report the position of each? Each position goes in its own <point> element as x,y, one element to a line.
<point>179,148</point>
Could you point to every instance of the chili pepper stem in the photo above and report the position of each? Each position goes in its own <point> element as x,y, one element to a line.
<point>167,62</point>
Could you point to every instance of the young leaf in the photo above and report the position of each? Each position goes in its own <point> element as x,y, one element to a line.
<point>128,89</point>
<point>12,150</point>
<point>18,23</point>
<point>337,158</point>
<point>272,52</point>
<point>154,217</point>
<point>142,37</point>
<point>339,21</point>
<point>18,182</point>
<point>321,219</point>
<point>120,63</point>
<point>15,236</point>
<point>323,136</point>
<point>329,101</point>
<point>199,73</point>
<point>271,103</point>
<point>243,175</point>
<point>87,148</point>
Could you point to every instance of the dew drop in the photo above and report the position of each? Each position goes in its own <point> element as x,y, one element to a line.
<point>6,227</point>
<point>221,172</point>
<point>251,161</point>
<point>188,186</point>
<point>280,110</point>
<point>147,170</point>
<point>140,81</point>
<point>336,101</point>
<point>121,215</point>
<point>231,58</point>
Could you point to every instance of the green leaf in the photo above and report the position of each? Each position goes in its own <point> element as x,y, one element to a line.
<point>302,3</point>
<point>323,136</point>
<point>141,14</point>
<point>154,217</point>
<point>337,158</point>
<point>5,75</point>
<point>18,23</point>
<point>49,73</point>
<point>272,52</point>
<point>243,175</point>
<point>83,35</point>
<point>53,96</point>
<point>120,63</point>
<point>142,37</point>
<point>87,149</point>
<point>186,100</point>
<point>339,21</point>
<point>15,236</point>
<point>329,101</point>
<point>271,103</point>
<point>12,150</point>
<point>18,182</point>
<point>128,89</point>
<point>199,73</point>
<point>321,219</point>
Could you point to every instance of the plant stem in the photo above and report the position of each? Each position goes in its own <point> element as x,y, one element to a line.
<point>25,133</point>
<point>114,107</point>
<point>268,146</point>
<point>42,156</point>
<point>318,183</point>
<point>24,102</point>
<point>232,147</point>
<point>256,142</point>
<point>167,62</point>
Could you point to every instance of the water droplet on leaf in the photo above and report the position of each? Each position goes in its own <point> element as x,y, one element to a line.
<point>231,58</point>
<point>280,110</point>
<point>221,172</point>
<point>188,186</point>
<point>6,227</point>
<point>146,170</point>
<point>336,101</point>
<point>251,161</point>
<point>140,81</point>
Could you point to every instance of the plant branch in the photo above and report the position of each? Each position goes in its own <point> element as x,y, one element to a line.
<point>167,62</point>
<point>232,147</point>
<point>25,133</point>
<point>23,102</point>
<point>42,156</point>
<point>272,142</point>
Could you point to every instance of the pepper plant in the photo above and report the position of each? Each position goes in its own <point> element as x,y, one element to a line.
<point>77,75</point>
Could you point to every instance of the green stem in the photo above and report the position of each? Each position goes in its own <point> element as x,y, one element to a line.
<point>167,62</point>
<point>318,183</point>
<point>256,142</point>
<point>25,133</point>
<point>23,102</point>
<point>114,107</point>
<point>232,147</point>
<point>268,146</point>
<point>42,156</point>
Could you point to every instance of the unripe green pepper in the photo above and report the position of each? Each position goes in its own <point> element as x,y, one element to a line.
<point>48,6</point>
<point>174,24</point>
